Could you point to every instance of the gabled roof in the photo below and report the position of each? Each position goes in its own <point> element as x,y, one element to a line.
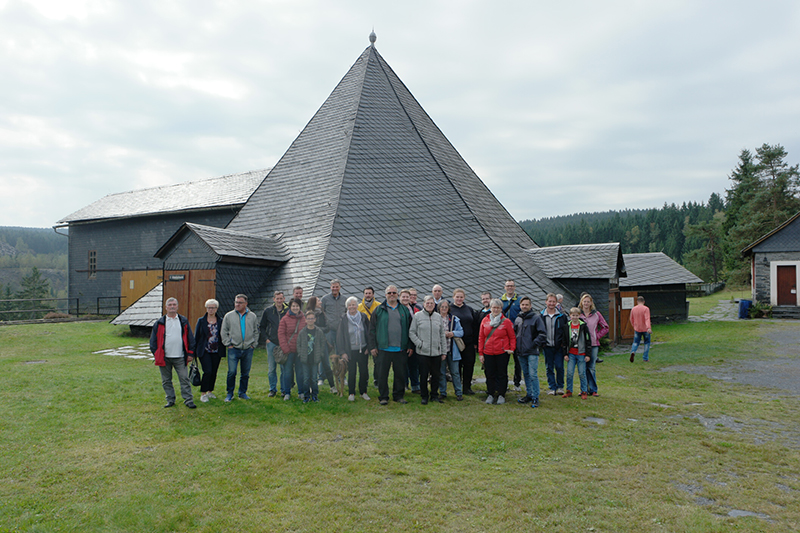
<point>144,311</point>
<point>230,244</point>
<point>748,250</point>
<point>655,268</point>
<point>226,191</point>
<point>371,192</point>
<point>592,261</point>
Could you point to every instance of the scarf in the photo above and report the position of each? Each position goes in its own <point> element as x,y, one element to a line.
<point>356,328</point>
<point>494,321</point>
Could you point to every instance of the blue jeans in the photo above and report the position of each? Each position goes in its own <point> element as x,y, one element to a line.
<point>273,368</point>
<point>454,372</point>
<point>235,355</point>
<point>580,361</point>
<point>530,370</point>
<point>554,365</point>
<point>287,373</point>
<point>309,383</point>
<point>413,372</point>
<point>637,337</point>
<point>591,378</point>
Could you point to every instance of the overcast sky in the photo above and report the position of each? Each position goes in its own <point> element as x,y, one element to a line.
<point>560,107</point>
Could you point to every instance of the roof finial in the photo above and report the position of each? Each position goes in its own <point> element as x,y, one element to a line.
<point>373,37</point>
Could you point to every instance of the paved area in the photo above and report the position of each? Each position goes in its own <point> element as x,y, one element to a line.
<point>725,311</point>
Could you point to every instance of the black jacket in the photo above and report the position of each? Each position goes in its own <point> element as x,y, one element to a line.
<point>531,333</point>
<point>201,335</point>
<point>270,320</point>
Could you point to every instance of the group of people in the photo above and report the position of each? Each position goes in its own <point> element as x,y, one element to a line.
<point>424,346</point>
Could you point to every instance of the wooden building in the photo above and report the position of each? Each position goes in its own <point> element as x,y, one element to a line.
<point>775,268</point>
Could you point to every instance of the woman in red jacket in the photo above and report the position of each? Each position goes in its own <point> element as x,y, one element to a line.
<point>288,328</point>
<point>496,342</point>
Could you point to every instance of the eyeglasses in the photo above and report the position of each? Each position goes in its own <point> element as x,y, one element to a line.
<point>390,292</point>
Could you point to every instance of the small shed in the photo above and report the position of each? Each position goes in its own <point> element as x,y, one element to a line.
<point>775,268</point>
<point>662,283</point>
<point>593,268</point>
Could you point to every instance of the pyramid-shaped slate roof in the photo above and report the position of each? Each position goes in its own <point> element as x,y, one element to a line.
<point>371,192</point>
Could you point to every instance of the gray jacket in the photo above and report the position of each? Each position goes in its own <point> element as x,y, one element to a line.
<point>231,331</point>
<point>333,308</point>
<point>427,334</point>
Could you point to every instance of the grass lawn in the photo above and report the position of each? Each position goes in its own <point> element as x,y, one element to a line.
<point>702,305</point>
<point>88,447</point>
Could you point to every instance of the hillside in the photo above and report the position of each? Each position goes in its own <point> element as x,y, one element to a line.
<point>21,249</point>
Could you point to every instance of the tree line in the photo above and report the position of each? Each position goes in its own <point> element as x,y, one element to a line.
<point>707,238</point>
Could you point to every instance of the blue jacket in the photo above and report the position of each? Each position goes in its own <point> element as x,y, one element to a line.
<point>510,307</point>
<point>531,333</point>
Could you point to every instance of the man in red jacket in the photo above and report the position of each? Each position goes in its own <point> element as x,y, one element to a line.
<point>171,343</point>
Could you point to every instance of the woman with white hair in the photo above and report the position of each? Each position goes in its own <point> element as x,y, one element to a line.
<point>427,332</point>
<point>496,342</point>
<point>208,348</point>
<point>351,345</point>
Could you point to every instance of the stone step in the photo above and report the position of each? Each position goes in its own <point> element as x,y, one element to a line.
<point>786,311</point>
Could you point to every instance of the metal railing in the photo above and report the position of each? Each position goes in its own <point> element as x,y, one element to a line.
<point>35,308</point>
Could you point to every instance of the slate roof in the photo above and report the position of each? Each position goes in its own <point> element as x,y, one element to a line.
<point>231,190</point>
<point>372,193</point>
<point>749,249</point>
<point>228,243</point>
<point>655,268</point>
<point>591,261</point>
<point>144,311</point>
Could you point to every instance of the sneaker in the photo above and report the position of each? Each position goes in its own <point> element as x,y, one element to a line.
<point>567,394</point>
<point>229,397</point>
<point>306,400</point>
<point>559,391</point>
<point>351,398</point>
<point>384,402</point>
<point>459,398</point>
<point>501,400</point>
<point>211,396</point>
<point>334,391</point>
<point>169,404</point>
<point>469,392</point>
<point>595,394</point>
<point>633,355</point>
<point>244,396</point>
<point>517,388</point>
<point>490,399</point>
<point>535,403</point>
<point>551,392</point>
<point>204,397</point>
<point>320,382</point>
<point>415,391</point>
<point>301,396</point>
<point>424,401</point>
<point>402,401</point>
<point>191,405</point>
<point>524,399</point>
<point>366,396</point>
<point>583,396</point>
<point>272,394</point>
<point>599,360</point>
<point>287,397</point>
<point>646,360</point>
<point>314,399</point>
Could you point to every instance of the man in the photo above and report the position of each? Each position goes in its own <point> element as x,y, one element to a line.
<point>437,295</point>
<point>368,303</point>
<point>640,320</point>
<point>239,333</point>
<point>531,336</point>
<point>333,308</point>
<point>412,370</point>
<point>389,345</point>
<point>556,346</point>
<point>171,344</point>
<point>511,310</point>
<point>270,321</point>
<point>486,298</point>
<point>412,299</point>
<point>467,317</point>
<point>297,294</point>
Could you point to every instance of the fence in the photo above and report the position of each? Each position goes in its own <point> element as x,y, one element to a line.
<point>694,290</point>
<point>33,308</point>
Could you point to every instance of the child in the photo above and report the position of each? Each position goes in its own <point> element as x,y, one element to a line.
<point>312,347</point>
<point>579,343</point>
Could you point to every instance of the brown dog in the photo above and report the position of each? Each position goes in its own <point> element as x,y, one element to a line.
<point>339,368</point>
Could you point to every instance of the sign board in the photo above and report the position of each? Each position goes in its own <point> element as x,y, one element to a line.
<point>628,303</point>
<point>177,277</point>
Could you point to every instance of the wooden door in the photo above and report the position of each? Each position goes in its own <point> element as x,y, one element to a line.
<point>137,283</point>
<point>787,285</point>
<point>203,287</point>
<point>627,302</point>
<point>176,285</point>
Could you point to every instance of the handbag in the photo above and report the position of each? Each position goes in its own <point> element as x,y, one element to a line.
<point>460,343</point>
<point>194,374</point>
<point>277,352</point>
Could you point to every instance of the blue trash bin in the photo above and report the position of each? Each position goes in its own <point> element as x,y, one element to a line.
<point>744,308</point>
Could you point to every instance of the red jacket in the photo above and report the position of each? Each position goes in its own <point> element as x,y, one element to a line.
<point>501,340</point>
<point>159,334</point>
<point>286,331</point>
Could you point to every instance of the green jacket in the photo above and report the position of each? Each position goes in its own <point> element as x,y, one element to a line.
<point>320,347</point>
<point>379,328</point>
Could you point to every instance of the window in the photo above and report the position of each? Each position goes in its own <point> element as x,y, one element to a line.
<point>92,264</point>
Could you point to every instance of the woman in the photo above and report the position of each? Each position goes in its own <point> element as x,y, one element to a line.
<point>324,367</point>
<point>291,324</point>
<point>208,348</point>
<point>452,330</point>
<point>469,323</point>
<point>598,328</point>
<point>496,342</point>
<point>351,345</point>
<point>427,334</point>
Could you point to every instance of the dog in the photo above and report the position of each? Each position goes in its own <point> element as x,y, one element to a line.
<point>339,368</point>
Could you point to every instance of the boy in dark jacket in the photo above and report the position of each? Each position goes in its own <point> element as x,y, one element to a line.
<point>531,336</point>
<point>579,343</point>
